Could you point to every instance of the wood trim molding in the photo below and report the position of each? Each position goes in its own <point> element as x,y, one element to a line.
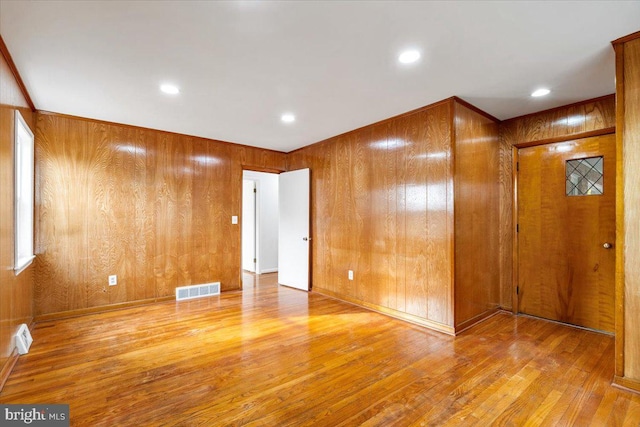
<point>99,309</point>
<point>625,39</point>
<point>261,169</point>
<point>476,109</point>
<point>515,301</point>
<point>626,384</point>
<point>8,367</point>
<point>562,107</point>
<point>581,135</point>
<point>124,125</point>
<point>619,268</point>
<point>439,327</point>
<point>463,326</point>
<point>383,121</point>
<point>451,217</point>
<point>14,70</point>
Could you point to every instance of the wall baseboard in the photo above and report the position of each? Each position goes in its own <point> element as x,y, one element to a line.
<point>626,384</point>
<point>99,309</point>
<point>463,326</point>
<point>440,327</point>
<point>269,270</point>
<point>8,367</point>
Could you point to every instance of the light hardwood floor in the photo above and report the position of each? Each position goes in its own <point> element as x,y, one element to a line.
<point>274,356</point>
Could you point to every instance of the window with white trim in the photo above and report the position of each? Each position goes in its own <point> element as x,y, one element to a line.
<point>24,176</point>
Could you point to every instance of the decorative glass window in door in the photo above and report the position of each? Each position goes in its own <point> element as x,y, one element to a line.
<point>585,176</point>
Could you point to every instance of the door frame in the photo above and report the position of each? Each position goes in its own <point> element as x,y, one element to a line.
<point>255,225</point>
<point>515,277</point>
<point>515,150</point>
<point>239,186</point>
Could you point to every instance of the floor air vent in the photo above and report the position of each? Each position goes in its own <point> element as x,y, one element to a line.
<point>197,291</point>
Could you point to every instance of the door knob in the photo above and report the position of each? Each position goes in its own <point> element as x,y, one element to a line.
<point>607,245</point>
<point>306,238</point>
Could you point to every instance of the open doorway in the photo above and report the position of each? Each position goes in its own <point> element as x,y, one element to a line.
<point>259,222</point>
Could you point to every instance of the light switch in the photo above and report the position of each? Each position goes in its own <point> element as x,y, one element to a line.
<point>350,274</point>
<point>234,219</point>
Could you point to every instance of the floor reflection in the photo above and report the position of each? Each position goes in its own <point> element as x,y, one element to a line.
<point>252,280</point>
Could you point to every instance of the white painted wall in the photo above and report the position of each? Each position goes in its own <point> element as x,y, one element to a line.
<point>267,224</point>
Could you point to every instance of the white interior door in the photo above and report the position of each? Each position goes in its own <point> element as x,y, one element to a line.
<point>249,225</point>
<point>294,238</point>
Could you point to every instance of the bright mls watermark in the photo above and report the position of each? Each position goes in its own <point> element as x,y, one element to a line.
<point>34,415</point>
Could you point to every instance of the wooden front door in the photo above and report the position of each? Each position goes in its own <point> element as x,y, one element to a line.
<point>566,231</point>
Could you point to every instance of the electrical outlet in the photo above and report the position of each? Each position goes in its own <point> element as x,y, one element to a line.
<point>113,280</point>
<point>350,274</point>
<point>234,219</point>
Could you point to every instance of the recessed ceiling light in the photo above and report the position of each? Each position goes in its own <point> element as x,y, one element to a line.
<point>409,56</point>
<point>288,118</point>
<point>541,92</point>
<point>169,89</point>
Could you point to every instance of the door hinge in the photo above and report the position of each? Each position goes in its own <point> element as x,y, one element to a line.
<point>517,290</point>
<point>517,166</point>
<point>254,260</point>
<point>254,190</point>
<point>517,228</point>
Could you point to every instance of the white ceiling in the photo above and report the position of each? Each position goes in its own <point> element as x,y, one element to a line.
<point>240,65</point>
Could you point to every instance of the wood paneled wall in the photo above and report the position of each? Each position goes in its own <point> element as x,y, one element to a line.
<point>16,292</point>
<point>588,118</point>
<point>383,206</point>
<point>628,213</point>
<point>152,207</point>
<point>594,116</point>
<point>476,202</point>
<point>155,207</point>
